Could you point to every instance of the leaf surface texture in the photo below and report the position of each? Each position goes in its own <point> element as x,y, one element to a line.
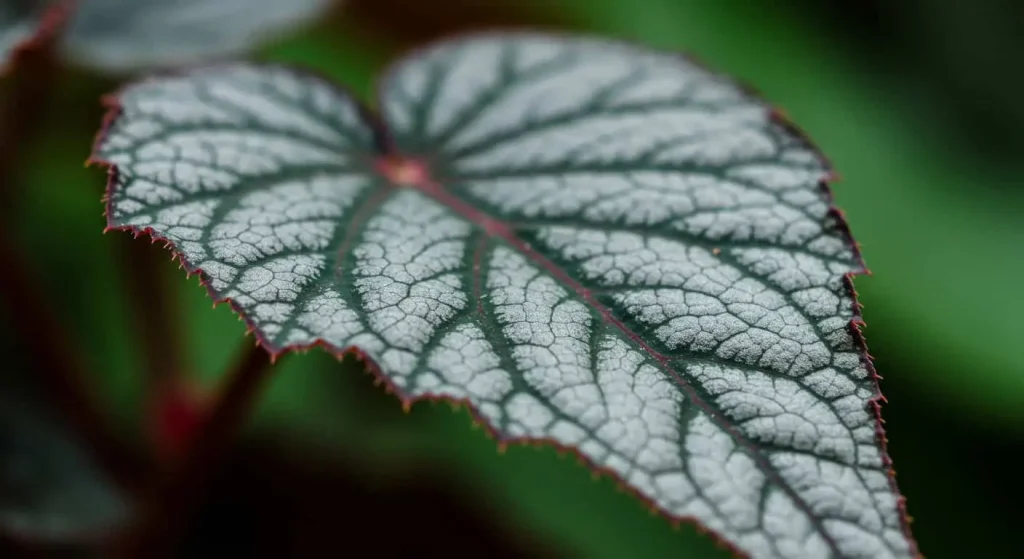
<point>595,245</point>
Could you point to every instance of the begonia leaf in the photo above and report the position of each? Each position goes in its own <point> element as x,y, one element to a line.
<point>594,245</point>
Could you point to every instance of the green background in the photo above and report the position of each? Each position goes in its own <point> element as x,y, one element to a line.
<point>940,228</point>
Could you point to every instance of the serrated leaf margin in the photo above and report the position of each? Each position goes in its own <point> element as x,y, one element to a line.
<point>386,147</point>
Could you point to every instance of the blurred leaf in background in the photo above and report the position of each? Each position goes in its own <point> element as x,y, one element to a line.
<point>51,488</point>
<point>50,485</point>
<point>956,58</point>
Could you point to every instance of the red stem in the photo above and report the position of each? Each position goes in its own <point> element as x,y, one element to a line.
<point>175,496</point>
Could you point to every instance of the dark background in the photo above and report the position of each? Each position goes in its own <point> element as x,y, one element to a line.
<point>918,104</point>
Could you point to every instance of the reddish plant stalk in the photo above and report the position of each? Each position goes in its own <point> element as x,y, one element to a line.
<point>177,492</point>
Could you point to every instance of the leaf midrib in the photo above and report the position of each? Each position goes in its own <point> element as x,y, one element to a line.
<point>495,227</point>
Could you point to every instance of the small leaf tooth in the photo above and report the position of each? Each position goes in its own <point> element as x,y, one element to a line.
<point>406,406</point>
<point>502,447</point>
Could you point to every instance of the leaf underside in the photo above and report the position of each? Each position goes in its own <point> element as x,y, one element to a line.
<point>595,245</point>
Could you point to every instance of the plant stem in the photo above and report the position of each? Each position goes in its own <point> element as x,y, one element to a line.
<point>177,492</point>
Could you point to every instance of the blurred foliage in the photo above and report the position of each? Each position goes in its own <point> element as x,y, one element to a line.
<point>50,487</point>
<point>944,305</point>
<point>957,57</point>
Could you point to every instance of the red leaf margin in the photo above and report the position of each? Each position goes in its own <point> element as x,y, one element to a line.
<point>383,144</point>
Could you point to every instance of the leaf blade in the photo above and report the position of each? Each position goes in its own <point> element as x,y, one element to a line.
<point>280,163</point>
<point>733,390</point>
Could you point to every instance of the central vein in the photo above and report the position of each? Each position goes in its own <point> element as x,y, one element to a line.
<point>412,173</point>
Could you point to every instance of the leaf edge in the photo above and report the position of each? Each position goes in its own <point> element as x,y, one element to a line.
<point>385,146</point>
<point>777,116</point>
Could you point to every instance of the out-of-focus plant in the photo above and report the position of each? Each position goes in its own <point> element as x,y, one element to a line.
<point>52,487</point>
<point>115,36</point>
